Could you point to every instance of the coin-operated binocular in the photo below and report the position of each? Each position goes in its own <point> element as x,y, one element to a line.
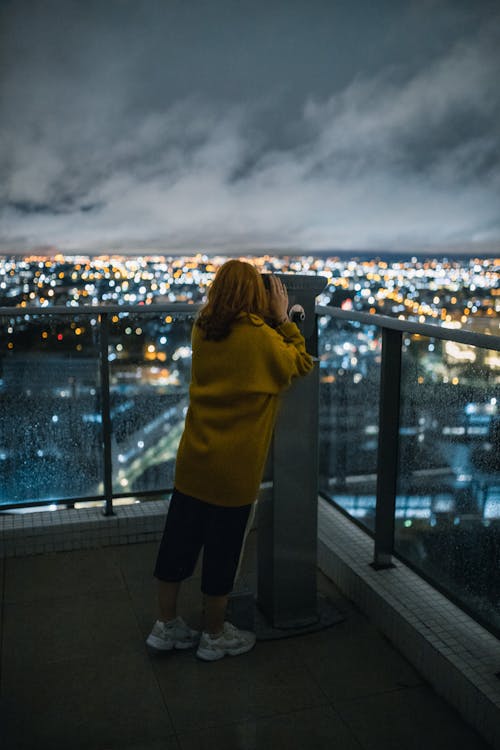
<point>287,512</point>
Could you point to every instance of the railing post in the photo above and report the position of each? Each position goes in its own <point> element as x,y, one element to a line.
<point>106,415</point>
<point>387,452</point>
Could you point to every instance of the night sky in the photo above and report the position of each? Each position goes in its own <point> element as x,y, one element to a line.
<point>181,125</point>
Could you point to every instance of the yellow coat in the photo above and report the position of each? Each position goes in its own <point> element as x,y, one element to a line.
<point>234,392</point>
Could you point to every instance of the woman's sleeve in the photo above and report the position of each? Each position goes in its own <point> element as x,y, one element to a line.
<point>287,355</point>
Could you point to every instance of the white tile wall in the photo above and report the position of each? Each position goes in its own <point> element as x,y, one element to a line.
<point>59,530</point>
<point>453,652</point>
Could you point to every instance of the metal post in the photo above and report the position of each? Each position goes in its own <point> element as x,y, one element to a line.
<point>287,521</point>
<point>387,453</point>
<point>106,415</point>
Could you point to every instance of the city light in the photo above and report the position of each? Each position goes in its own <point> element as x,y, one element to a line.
<point>454,386</point>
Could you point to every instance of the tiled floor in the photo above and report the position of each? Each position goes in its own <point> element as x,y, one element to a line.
<point>75,672</point>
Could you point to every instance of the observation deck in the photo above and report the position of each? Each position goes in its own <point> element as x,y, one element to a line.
<point>408,529</point>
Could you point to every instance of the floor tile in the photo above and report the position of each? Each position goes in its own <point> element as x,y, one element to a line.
<point>84,703</point>
<point>91,626</point>
<point>170,743</point>
<point>311,729</point>
<point>143,600</point>
<point>76,672</point>
<point>412,718</point>
<point>136,561</point>
<point>354,660</point>
<point>58,574</point>
<point>264,682</point>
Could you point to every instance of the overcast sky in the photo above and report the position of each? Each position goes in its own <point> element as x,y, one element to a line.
<point>181,125</point>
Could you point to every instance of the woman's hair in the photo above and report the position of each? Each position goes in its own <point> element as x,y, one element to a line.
<point>237,288</point>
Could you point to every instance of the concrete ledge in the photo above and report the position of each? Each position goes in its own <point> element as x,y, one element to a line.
<point>85,528</point>
<point>459,658</point>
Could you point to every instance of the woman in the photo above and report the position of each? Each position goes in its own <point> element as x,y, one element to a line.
<point>240,365</point>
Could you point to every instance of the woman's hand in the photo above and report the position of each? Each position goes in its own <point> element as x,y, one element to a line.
<point>278,301</point>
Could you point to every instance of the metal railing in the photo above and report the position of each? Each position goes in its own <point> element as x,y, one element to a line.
<point>103,315</point>
<point>466,569</point>
<point>392,330</point>
<point>387,466</point>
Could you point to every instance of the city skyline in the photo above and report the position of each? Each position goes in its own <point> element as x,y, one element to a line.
<point>250,127</point>
<point>58,409</point>
<point>454,292</point>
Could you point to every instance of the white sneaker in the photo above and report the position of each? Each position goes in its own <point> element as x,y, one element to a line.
<point>231,642</point>
<point>174,634</point>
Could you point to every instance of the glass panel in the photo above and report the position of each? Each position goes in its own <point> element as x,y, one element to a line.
<point>150,366</point>
<point>448,503</point>
<point>50,423</point>
<point>350,355</point>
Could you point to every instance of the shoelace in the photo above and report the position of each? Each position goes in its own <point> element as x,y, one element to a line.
<point>175,627</point>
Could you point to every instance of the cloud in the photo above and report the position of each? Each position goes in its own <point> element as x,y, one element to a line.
<point>391,161</point>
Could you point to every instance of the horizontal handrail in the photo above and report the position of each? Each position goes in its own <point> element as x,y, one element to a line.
<point>180,307</point>
<point>484,340</point>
